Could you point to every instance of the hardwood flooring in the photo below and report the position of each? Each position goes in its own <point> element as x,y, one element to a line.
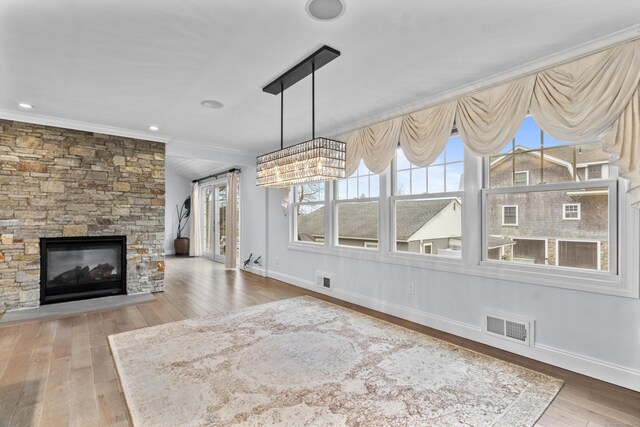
<point>59,372</point>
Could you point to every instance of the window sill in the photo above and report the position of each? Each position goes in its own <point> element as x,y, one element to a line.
<point>557,277</point>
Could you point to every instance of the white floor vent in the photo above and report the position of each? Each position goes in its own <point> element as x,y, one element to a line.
<point>323,279</point>
<point>507,326</point>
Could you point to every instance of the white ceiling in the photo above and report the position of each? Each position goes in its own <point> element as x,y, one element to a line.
<point>195,168</point>
<point>126,64</point>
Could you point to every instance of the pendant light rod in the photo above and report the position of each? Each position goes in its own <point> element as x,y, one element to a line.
<point>313,100</point>
<point>281,119</point>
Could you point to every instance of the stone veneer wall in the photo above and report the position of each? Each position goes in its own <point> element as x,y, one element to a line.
<point>58,182</point>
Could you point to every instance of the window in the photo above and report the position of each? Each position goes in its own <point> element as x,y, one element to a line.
<point>509,215</point>
<point>444,175</point>
<point>541,211</point>
<point>571,211</point>
<point>594,172</point>
<point>356,207</point>
<point>362,184</point>
<point>427,203</point>
<point>532,251</point>
<point>521,178</point>
<point>309,212</point>
<point>580,254</point>
<point>559,175</point>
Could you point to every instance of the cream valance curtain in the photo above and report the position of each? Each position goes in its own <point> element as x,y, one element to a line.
<point>596,96</point>
<point>195,231</point>
<point>231,219</point>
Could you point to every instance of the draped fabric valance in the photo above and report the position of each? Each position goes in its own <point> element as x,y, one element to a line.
<point>597,96</point>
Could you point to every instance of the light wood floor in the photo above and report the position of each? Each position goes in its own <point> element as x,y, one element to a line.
<point>60,372</point>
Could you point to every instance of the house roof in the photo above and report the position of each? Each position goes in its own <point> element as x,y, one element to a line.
<point>563,155</point>
<point>359,220</point>
<point>496,241</point>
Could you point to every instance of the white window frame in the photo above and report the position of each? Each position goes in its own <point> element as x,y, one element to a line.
<point>427,245</point>
<point>293,230</point>
<point>504,224</point>
<point>564,211</point>
<point>393,199</point>
<point>527,179</point>
<point>611,276</point>
<point>335,205</point>
<point>474,263</point>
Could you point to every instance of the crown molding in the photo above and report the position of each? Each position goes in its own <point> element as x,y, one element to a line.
<point>203,145</point>
<point>554,59</point>
<point>40,119</point>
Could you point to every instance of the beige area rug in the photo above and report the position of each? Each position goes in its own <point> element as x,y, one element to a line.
<point>305,362</point>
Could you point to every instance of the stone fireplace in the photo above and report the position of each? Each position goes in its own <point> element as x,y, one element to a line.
<point>58,182</point>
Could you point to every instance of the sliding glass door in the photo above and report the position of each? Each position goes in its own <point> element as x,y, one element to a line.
<point>214,230</point>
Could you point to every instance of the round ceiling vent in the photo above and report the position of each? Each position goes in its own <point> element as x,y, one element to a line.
<point>325,10</point>
<point>211,103</point>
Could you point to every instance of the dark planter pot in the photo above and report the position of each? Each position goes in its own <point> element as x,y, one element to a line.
<point>181,245</point>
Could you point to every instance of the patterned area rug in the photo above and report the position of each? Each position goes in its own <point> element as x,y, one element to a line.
<point>305,362</point>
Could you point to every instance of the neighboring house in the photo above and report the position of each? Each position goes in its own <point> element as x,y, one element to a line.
<point>423,226</point>
<point>566,228</point>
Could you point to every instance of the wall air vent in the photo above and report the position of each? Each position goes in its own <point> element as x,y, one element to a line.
<point>323,280</point>
<point>513,328</point>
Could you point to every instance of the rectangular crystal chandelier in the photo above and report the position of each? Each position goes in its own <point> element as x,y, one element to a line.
<point>320,159</point>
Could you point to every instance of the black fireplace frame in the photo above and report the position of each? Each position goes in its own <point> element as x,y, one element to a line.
<point>78,292</point>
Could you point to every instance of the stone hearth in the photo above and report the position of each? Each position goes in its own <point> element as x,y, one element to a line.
<point>57,182</point>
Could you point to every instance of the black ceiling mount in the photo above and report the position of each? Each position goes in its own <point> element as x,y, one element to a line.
<point>313,62</point>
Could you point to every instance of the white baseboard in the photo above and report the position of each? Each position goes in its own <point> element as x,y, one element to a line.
<point>599,369</point>
<point>256,270</point>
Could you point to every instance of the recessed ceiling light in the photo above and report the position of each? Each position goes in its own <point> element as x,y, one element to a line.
<point>212,103</point>
<point>154,128</point>
<point>25,105</point>
<point>325,10</point>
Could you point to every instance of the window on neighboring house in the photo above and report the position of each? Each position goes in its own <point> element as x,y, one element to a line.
<point>521,178</point>
<point>594,172</point>
<point>356,209</point>
<point>579,254</point>
<point>571,211</point>
<point>309,211</point>
<point>559,176</point>
<point>509,215</point>
<point>427,203</point>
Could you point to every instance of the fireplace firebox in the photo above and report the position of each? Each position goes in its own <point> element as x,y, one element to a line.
<point>73,268</point>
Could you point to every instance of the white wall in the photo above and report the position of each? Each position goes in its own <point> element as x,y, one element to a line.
<point>253,225</point>
<point>594,334</point>
<point>177,190</point>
